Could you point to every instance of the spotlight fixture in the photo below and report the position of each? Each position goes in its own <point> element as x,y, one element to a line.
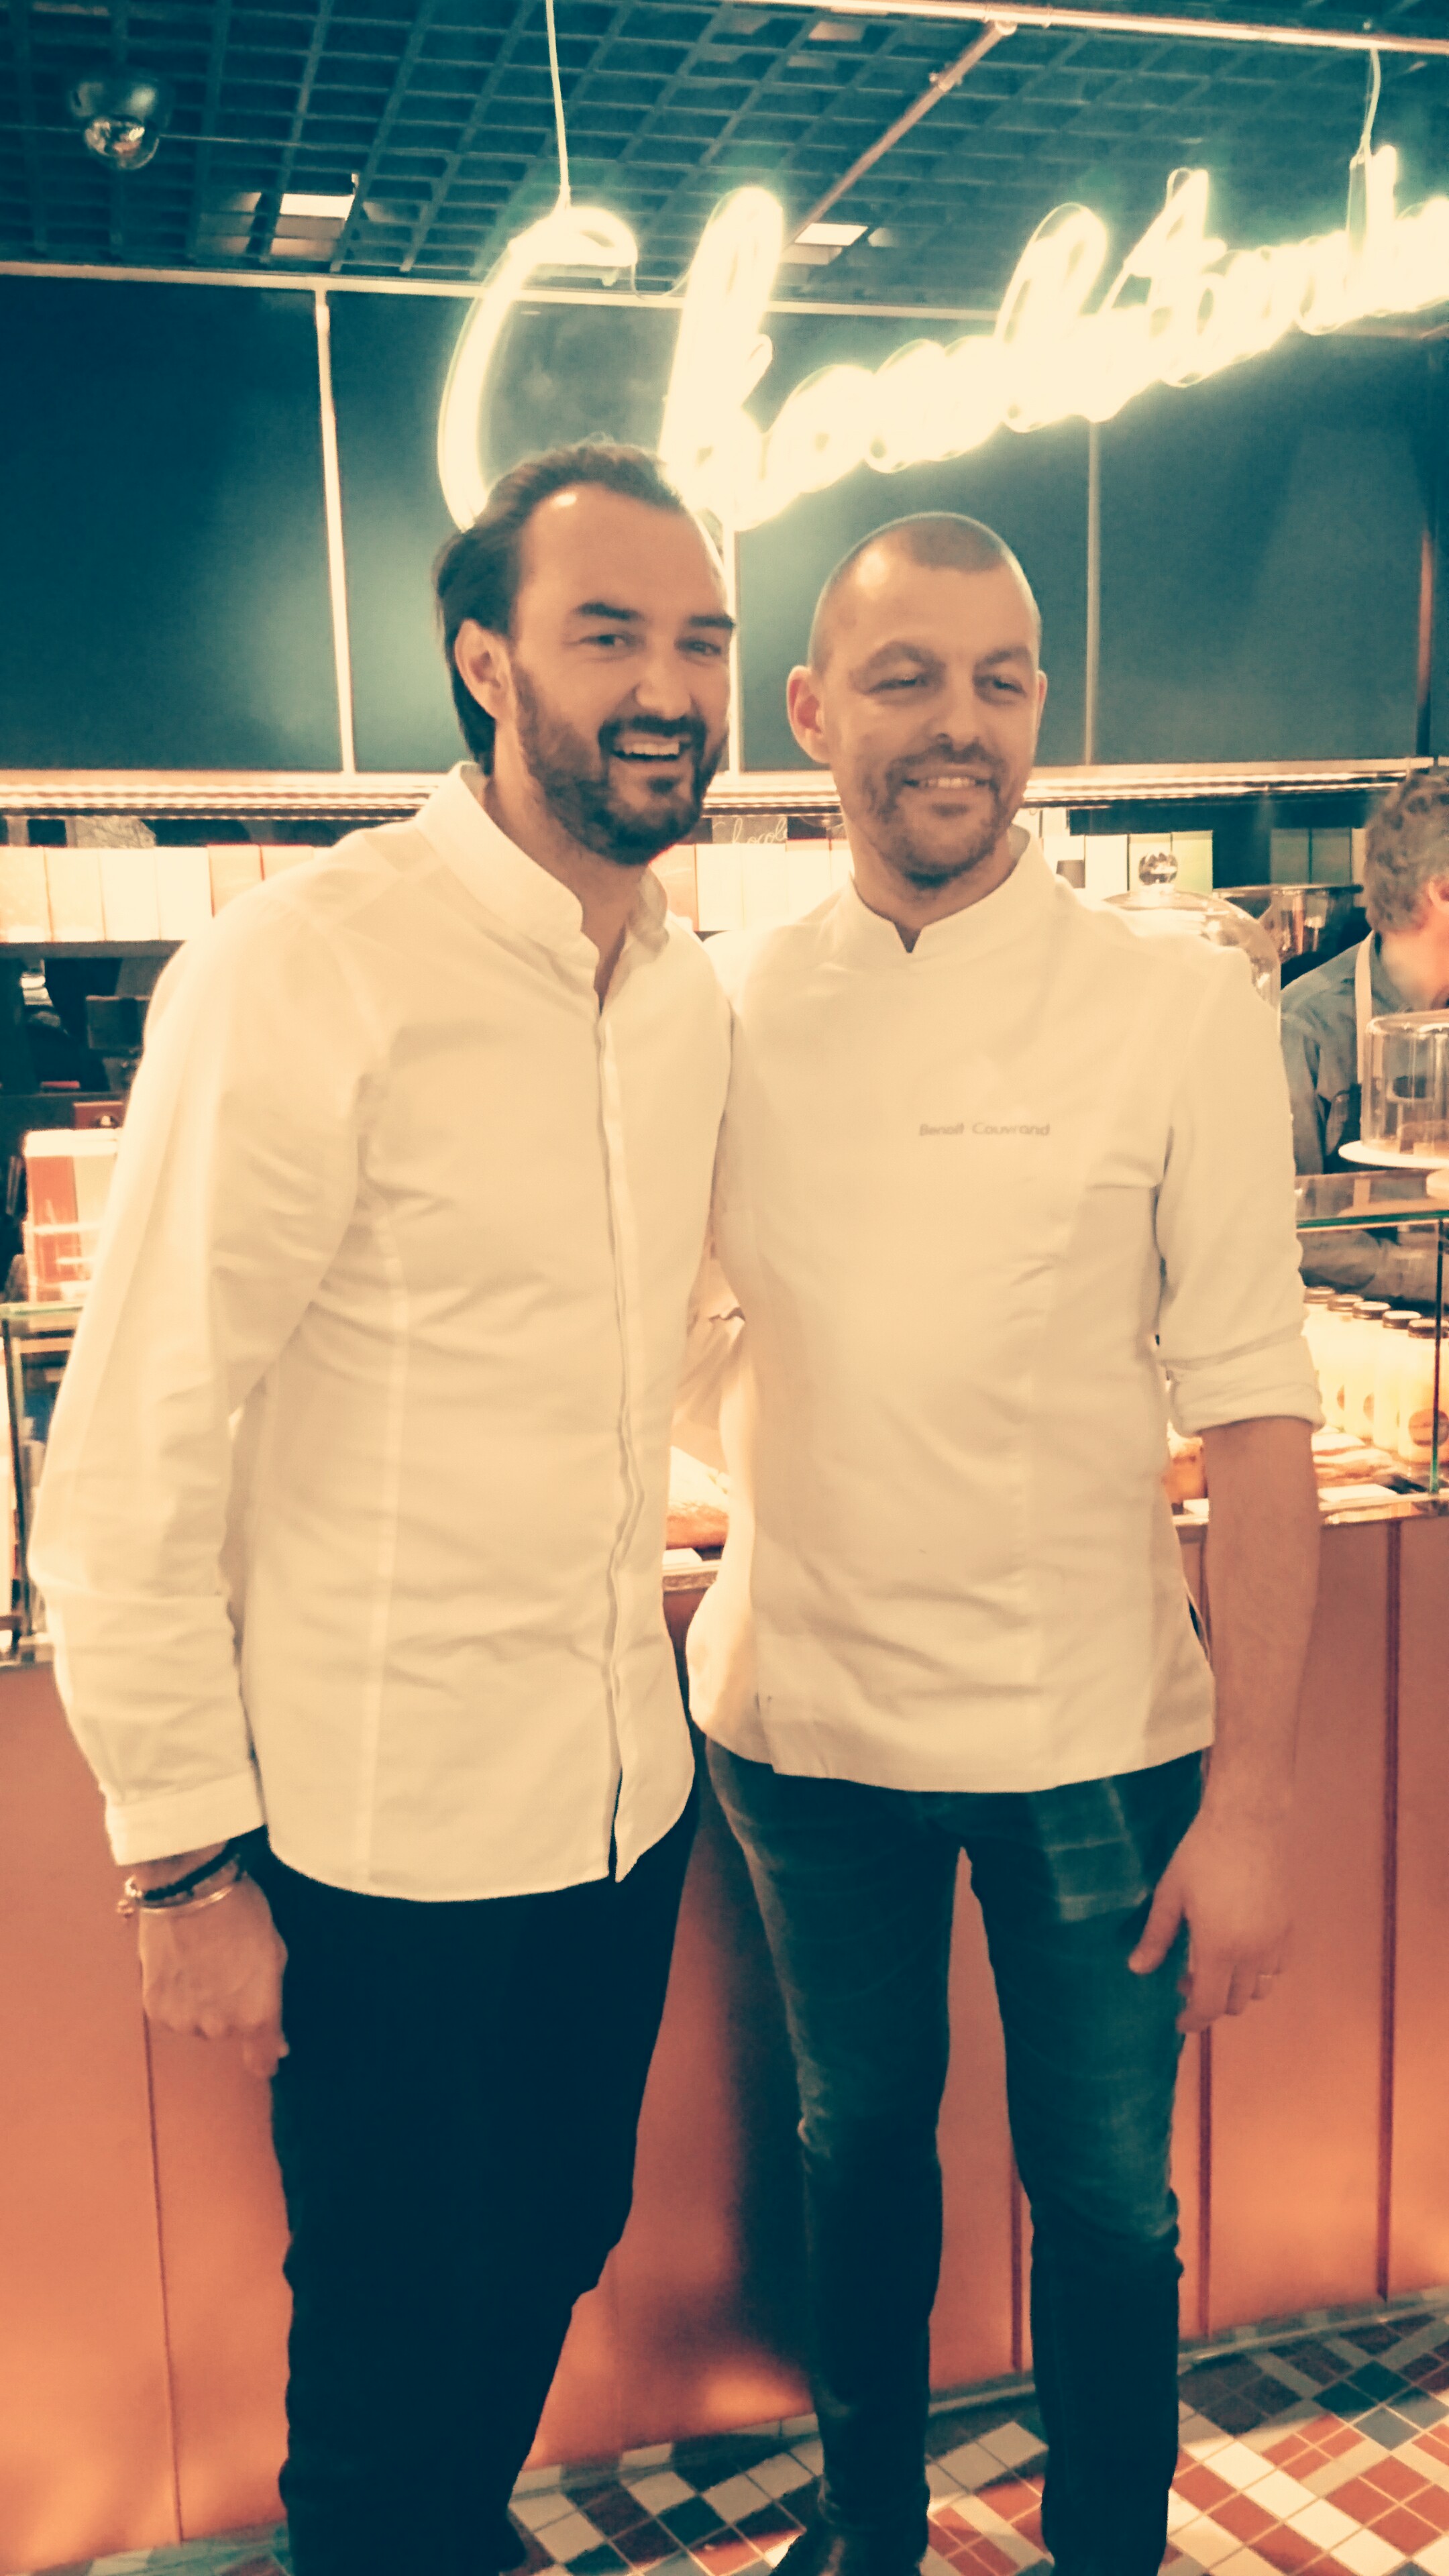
<point>122,115</point>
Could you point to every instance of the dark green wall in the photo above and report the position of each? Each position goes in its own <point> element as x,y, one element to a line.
<point>1260,560</point>
<point>389,359</point>
<point>163,566</point>
<point>163,556</point>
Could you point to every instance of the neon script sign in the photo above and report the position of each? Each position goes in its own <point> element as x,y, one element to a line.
<point>1180,308</point>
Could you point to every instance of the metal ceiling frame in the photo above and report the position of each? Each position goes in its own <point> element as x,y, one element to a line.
<point>215,67</point>
<point>300,281</point>
<point>1124,22</point>
<point>940,86</point>
<point>425,115</point>
<point>417,37</point>
<point>1076,24</point>
<point>25,83</point>
<point>721,142</point>
<point>817,134</point>
<point>269,206</point>
<point>512,215</point>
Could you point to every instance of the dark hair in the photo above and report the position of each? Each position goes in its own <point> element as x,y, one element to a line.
<point>938,540</point>
<point>477,573</point>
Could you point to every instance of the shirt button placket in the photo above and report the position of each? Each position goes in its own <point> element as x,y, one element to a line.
<point>620,1234</point>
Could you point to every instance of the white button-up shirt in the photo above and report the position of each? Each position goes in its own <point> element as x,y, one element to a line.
<point>354,1502</point>
<point>983,1206</point>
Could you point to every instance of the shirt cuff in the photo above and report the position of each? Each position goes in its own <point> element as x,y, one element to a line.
<point>186,1819</point>
<point>1247,1388</point>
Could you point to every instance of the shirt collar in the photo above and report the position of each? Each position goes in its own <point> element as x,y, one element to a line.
<point>1011,911</point>
<point>1384,991</point>
<point>513,886</point>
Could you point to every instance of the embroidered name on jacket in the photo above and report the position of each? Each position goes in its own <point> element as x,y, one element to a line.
<point>986,1127</point>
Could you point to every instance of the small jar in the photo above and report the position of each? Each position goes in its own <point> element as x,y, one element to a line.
<point>1416,1401</point>
<point>1338,1320</point>
<point>1315,1300</point>
<point>1389,1378</point>
<point>1358,1374</point>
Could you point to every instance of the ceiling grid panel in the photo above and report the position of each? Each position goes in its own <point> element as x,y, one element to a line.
<point>440,110</point>
<point>469,139</point>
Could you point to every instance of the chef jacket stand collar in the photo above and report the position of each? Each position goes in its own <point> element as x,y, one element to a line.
<point>867,939</point>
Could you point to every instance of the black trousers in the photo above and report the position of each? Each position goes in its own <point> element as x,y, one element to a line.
<point>455,2124</point>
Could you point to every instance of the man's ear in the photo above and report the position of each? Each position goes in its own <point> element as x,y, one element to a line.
<point>802,705</point>
<point>481,660</point>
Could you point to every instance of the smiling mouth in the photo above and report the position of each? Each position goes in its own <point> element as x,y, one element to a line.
<point>647,752</point>
<point>952,780</point>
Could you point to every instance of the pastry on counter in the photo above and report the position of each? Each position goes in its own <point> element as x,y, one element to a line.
<point>696,1525</point>
<point>1185,1475</point>
<point>699,1503</point>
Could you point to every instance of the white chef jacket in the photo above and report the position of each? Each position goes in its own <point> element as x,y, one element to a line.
<point>355,1495</point>
<point>982,1206</point>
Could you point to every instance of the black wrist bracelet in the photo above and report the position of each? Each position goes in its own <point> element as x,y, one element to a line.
<point>179,1887</point>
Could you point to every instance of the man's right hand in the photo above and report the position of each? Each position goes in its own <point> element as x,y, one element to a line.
<point>216,1973</point>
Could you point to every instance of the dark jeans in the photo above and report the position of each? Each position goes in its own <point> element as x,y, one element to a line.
<point>455,2124</point>
<point>856,1887</point>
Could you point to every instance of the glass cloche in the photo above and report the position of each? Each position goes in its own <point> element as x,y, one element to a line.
<point>1162,909</point>
<point>1406,1085</point>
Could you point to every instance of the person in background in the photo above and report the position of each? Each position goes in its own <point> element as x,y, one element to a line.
<point>998,1180</point>
<point>1402,965</point>
<point>354,1504</point>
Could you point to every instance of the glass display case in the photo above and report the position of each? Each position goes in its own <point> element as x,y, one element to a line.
<point>37,1345</point>
<point>1383,1369</point>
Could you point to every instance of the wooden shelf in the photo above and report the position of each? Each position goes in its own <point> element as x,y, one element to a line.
<point>38,950</point>
<point>383,794</point>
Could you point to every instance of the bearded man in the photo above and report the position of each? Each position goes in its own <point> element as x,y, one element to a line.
<point>997,1177</point>
<point>355,1501</point>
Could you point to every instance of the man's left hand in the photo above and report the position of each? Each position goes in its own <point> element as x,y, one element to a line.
<point>1228,1881</point>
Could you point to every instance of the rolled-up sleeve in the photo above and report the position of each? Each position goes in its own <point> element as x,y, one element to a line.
<point>235,1182</point>
<point>1230,1324</point>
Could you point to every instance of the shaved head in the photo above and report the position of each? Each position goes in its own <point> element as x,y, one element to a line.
<point>934,540</point>
<point>923,694</point>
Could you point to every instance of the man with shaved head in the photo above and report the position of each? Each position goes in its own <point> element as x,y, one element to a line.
<point>1001,1183</point>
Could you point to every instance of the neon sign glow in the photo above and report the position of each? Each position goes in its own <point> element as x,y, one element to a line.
<point>1179,309</point>
<point>569,237</point>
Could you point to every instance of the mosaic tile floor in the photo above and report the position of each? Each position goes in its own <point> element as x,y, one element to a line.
<point>1328,2453</point>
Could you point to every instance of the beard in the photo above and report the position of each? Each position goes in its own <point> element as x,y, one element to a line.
<point>576,780</point>
<point>922,865</point>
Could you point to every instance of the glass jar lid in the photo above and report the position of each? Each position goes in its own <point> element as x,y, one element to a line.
<point>1162,909</point>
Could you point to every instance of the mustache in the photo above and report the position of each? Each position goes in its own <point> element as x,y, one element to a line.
<point>689,729</point>
<point>944,755</point>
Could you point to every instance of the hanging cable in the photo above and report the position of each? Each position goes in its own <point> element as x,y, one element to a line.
<point>1358,167</point>
<point>1373,83</point>
<point>558,108</point>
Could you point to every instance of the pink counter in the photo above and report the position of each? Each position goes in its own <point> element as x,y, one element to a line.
<point>143,2317</point>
